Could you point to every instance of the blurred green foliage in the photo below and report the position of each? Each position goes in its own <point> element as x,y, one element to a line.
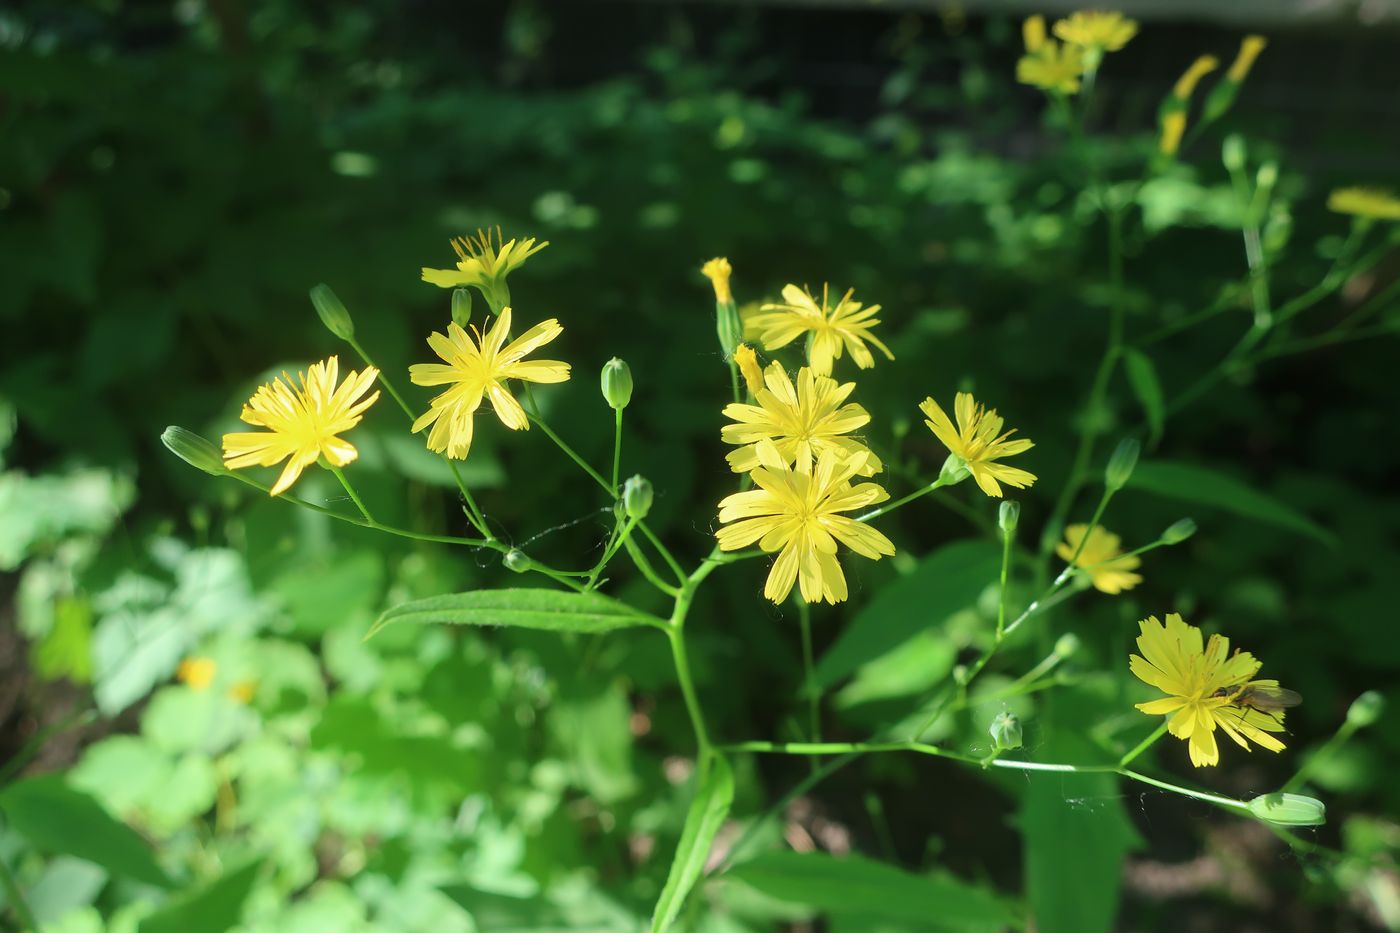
<point>175,179</point>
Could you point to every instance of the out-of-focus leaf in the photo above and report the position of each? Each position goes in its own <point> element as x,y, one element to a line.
<point>57,818</point>
<point>593,730</point>
<point>944,582</point>
<point>911,668</point>
<point>213,908</point>
<point>1190,483</point>
<point>706,816</point>
<point>540,609</point>
<point>1142,376</point>
<point>67,649</point>
<point>35,510</point>
<point>854,884</point>
<point>341,591</point>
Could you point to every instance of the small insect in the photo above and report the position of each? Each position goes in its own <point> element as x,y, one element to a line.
<point>1266,698</point>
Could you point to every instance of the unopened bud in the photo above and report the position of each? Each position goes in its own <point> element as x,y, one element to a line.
<point>1008,515</point>
<point>954,470</point>
<point>517,560</point>
<point>1267,176</point>
<point>1178,531</point>
<point>199,452</point>
<point>637,497</point>
<point>461,306</point>
<point>960,673</point>
<point>1289,809</point>
<point>617,383</point>
<point>1067,646</point>
<point>1006,731</point>
<point>1121,464</point>
<point>332,313</point>
<point>1232,152</point>
<point>1365,709</point>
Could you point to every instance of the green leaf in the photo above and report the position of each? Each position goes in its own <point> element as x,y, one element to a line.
<point>946,581</point>
<point>854,884</point>
<point>707,813</point>
<point>551,610</point>
<point>213,909</point>
<point>56,818</point>
<point>1189,483</point>
<point>1142,376</point>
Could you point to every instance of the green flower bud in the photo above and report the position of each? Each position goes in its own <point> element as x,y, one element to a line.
<point>1121,464</point>
<point>728,328</point>
<point>954,470</point>
<point>637,496</point>
<point>1005,731</point>
<point>1232,152</point>
<point>1365,709</point>
<point>1179,531</point>
<point>517,560</point>
<point>1067,646</point>
<point>199,452</point>
<point>1289,809</point>
<point>1008,515</point>
<point>461,306</point>
<point>332,313</point>
<point>1267,176</point>
<point>617,384</point>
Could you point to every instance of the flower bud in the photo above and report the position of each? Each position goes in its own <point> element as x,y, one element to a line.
<point>199,452</point>
<point>1178,531</point>
<point>1232,152</point>
<point>1289,809</point>
<point>954,470</point>
<point>1067,646</point>
<point>461,306</point>
<point>617,383</point>
<point>1008,515</point>
<point>637,497</point>
<point>517,560</point>
<point>1005,731</point>
<point>1121,464</point>
<point>1365,709</point>
<point>332,313</point>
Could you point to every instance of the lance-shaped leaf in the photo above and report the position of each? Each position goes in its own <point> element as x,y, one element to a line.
<point>551,610</point>
<point>706,816</point>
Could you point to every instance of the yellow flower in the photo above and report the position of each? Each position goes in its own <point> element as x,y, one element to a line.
<point>1250,47</point>
<point>302,423</point>
<point>1052,67</point>
<point>718,270</point>
<point>748,365</point>
<point>483,262</point>
<point>477,369</point>
<point>243,691</point>
<point>197,673</point>
<point>1202,686</point>
<point>1375,203</point>
<point>1173,127</point>
<point>798,514</point>
<point>1201,67</point>
<point>802,423</point>
<point>832,329</point>
<point>1102,547</point>
<point>748,311</point>
<point>1033,32</point>
<point>1097,29</point>
<point>978,441</point>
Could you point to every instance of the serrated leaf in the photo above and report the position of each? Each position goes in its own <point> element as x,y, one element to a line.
<point>57,818</point>
<point>946,581</point>
<point>853,884</point>
<point>551,610</point>
<point>1142,376</point>
<point>707,814</point>
<point>1190,483</point>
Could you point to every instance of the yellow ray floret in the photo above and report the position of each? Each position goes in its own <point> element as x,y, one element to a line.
<point>1202,683</point>
<point>1098,29</point>
<point>979,441</point>
<point>747,360</point>
<point>303,423</point>
<point>718,270</point>
<point>476,369</point>
<point>799,515</point>
<point>801,421</point>
<point>1101,558</point>
<point>831,329</point>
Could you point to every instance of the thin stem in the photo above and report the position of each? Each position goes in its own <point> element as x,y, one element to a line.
<point>1006,538</point>
<point>1338,739</point>
<point>1177,788</point>
<point>1143,746</point>
<point>16,898</point>
<point>474,513</point>
<point>383,379</point>
<point>1088,532</point>
<point>644,565</point>
<point>809,686</point>
<point>617,448</point>
<point>354,496</point>
<point>664,552</point>
<point>890,507</point>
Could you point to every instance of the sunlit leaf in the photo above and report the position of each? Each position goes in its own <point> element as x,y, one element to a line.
<point>552,610</point>
<point>706,816</point>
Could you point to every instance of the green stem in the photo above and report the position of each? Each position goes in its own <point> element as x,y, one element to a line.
<point>617,448</point>
<point>16,898</point>
<point>383,379</point>
<point>1006,538</point>
<point>1143,746</point>
<point>1338,739</point>
<point>809,686</point>
<point>664,552</point>
<point>890,507</point>
<point>354,496</point>
<point>1177,788</point>
<point>644,565</point>
<point>1065,574</point>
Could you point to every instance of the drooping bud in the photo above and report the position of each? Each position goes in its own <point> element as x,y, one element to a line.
<point>1365,709</point>
<point>637,497</point>
<point>747,359</point>
<point>1178,531</point>
<point>332,313</point>
<point>517,560</point>
<point>199,452</point>
<point>1006,731</point>
<point>461,306</point>
<point>1008,515</point>
<point>1289,809</point>
<point>1121,464</point>
<point>617,384</point>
